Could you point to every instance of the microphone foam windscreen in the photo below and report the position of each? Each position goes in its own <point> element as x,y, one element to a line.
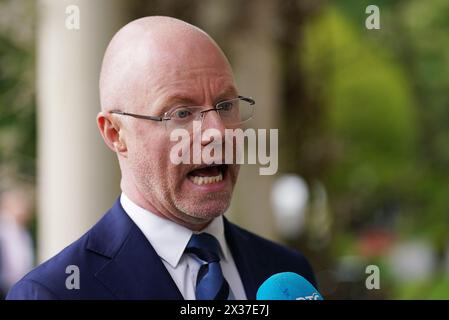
<point>287,286</point>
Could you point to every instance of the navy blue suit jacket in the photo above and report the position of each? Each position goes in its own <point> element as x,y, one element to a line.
<point>116,261</point>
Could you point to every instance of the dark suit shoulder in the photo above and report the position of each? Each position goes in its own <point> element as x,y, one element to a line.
<point>85,256</point>
<point>274,257</point>
<point>48,280</point>
<point>27,289</point>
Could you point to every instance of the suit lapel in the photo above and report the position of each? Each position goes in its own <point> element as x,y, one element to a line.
<point>135,271</point>
<point>245,261</point>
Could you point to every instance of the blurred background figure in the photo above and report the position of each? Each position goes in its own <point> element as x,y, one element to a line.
<point>16,246</point>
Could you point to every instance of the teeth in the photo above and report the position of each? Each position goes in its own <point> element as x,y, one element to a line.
<point>206,180</point>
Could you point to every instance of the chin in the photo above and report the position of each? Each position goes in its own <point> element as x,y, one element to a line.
<point>206,209</point>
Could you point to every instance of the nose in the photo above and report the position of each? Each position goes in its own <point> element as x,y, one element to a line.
<point>211,120</point>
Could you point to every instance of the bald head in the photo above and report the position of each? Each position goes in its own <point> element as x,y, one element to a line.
<point>147,49</point>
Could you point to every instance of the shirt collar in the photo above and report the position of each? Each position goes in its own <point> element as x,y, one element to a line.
<point>168,238</point>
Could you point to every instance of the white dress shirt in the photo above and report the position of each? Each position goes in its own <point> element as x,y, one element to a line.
<point>170,239</point>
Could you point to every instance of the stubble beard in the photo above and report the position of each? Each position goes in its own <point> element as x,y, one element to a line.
<point>169,199</point>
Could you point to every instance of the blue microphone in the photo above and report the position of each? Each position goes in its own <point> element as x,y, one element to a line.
<point>287,286</point>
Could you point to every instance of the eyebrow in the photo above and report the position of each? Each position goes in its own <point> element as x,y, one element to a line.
<point>229,93</point>
<point>172,101</point>
<point>181,99</point>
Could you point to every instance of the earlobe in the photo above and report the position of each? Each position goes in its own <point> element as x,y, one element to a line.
<point>120,146</point>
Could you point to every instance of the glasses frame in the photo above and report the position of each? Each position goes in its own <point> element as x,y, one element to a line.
<point>166,117</point>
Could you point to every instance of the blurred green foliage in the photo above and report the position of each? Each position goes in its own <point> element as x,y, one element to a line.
<point>370,117</point>
<point>18,125</point>
<point>17,100</point>
<point>385,95</point>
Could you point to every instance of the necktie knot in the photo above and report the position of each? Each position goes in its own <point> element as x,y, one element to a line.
<point>210,282</point>
<point>205,247</point>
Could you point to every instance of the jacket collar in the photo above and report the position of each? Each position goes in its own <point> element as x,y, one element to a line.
<point>244,257</point>
<point>134,269</point>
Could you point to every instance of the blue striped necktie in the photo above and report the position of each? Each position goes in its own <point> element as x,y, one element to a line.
<point>210,282</point>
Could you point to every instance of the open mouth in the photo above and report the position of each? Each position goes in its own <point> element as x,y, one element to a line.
<point>208,174</point>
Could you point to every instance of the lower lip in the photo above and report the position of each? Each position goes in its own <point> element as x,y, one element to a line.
<point>211,187</point>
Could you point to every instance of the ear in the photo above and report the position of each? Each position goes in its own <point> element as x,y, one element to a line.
<point>111,133</point>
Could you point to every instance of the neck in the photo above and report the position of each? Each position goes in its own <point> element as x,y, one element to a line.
<point>194,224</point>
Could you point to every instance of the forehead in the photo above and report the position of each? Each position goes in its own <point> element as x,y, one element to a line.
<point>201,85</point>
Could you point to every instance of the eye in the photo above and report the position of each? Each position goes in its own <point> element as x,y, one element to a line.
<point>181,113</point>
<point>226,105</point>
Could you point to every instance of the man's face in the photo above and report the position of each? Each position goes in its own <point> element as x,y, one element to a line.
<point>188,193</point>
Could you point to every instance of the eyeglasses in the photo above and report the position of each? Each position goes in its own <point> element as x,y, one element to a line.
<point>232,112</point>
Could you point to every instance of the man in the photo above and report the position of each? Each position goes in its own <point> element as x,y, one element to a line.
<point>165,237</point>
<point>16,246</point>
